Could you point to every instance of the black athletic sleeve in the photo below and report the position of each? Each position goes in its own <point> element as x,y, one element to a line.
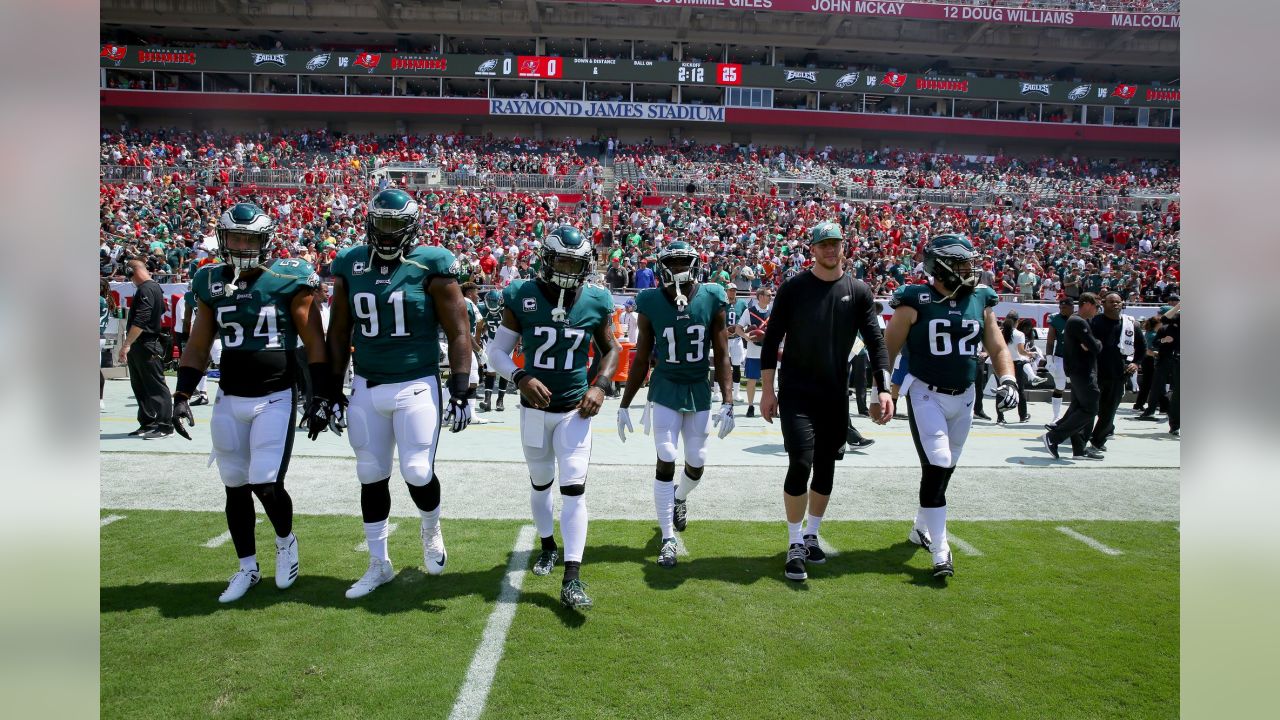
<point>869,328</point>
<point>779,319</point>
<point>1139,343</point>
<point>141,308</point>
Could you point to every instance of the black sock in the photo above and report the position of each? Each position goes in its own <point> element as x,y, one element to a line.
<point>240,520</point>
<point>571,571</point>
<point>549,542</point>
<point>375,501</point>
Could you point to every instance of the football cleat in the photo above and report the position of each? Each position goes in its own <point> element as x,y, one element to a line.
<point>380,572</point>
<point>680,515</point>
<point>796,555</point>
<point>434,555</point>
<point>920,536</point>
<point>546,561</point>
<point>157,433</point>
<point>239,585</point>
<point>751,411</point>
<point>573,595</point>
<point>942,566</point>
<point>500,408</point>
<point>286,561</point>
<point>667,555</point>
<point>816,554</point>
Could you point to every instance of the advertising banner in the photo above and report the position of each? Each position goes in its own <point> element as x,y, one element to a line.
<point>610,110</point>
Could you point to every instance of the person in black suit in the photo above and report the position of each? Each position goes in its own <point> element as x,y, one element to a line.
<point>1081,365</point>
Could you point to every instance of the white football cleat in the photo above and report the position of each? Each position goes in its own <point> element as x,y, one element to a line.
<point>239,585</point>
<point>286,561</point>
<point>380,572</point>
<point>434,555</point>
<point>920,536</point>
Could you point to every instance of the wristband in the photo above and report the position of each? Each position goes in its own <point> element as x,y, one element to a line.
<point>517,376</point>
<point>604,385</point>
<point>188,381</point>
<point>460,386</point>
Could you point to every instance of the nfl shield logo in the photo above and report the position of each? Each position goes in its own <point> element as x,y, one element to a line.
<point>953,303</point>
<point>385,269</point>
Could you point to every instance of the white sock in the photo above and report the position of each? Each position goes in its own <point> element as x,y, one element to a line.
<point>430,518</point>
<point>472,405</point>
<point>663,503</point>
<point>936,520</point>
<point>795,533</point>
<point>919,521</point>
<point>283,542</point>
<point>1057,408</point>
<point>573,526</point>
<point>543,519</point>
<point>375,533</point>
<point>201,385</point>
<point>249,563</point>
<point>812,524</point>
<point>687,485</point>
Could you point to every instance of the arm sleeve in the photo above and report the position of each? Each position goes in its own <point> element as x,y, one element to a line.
<point>499,351</point>
<point>869,329</point>
<point>776,329</point>
<point>1139,343</point>
<point>143,306</point>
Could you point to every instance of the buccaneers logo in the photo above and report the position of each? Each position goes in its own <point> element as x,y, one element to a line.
<point>369,60</point>
<point>115,53</point>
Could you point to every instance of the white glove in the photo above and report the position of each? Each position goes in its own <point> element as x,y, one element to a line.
<point>645,421</point>
<point>457,415</point>
<point>624,423</point>
<point>724,419</point>
<point>1007,393</point>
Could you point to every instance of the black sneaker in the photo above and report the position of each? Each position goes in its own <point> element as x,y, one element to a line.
<point>816,555</point>
<point>667,554</point>
<point>1176,432</point>
<point>1146,417</point>
<point>573,595</point>
<point>158,433</point>
<point>865,442</point>
<point>796,555</point>
<point>142,430</point>
<point>680,515</point>
<point>942,566</point>
<point>484,406</point>
<point>1100,448</point>
<point>981,415</point>
<point>1088,454</point>
<point>199,399</point>
<point>1050,445</point>
<point>546,561</point>
<point>751,411</point>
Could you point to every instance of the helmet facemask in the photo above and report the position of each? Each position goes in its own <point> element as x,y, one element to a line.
<point>954,276</point>
<point>243,249</point>
<point>678,271</point>
<point>390,234</point>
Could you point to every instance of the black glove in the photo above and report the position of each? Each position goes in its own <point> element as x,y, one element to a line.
<point>181,411</point>
<point>1007,394</point>
<point>317,416</point>
<point>458,414</point>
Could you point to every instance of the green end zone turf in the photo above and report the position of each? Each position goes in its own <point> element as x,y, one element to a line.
<point>1041,625</point>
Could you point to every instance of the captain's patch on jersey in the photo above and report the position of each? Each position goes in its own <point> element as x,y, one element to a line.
<point>357,267</point>
<point>530,304</point>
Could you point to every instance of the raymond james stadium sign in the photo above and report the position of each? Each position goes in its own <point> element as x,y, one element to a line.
<point>610,110</point>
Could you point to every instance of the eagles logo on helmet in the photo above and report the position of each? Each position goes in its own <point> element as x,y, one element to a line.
<point>565,258</point>
<point>244,236</point>
<point>945,259</point>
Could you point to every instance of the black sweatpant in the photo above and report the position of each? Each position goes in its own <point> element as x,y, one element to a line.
<point>1110,393</point>
<point>1146,379</point>
<point>814,436</point>
<point>146,377</point>
<point>1077,421</point>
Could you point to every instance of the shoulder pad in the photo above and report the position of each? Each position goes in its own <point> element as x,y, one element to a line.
<point>912,296</point>
<point>989,296</point>
<point>718,292</point>
<point>511,295</point>
<point>437,260</point>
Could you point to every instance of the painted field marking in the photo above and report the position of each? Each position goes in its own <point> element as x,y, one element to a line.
<point>680,547</point>
<point>827,547</point>
<point>112,518</point>
<point>963,546</point>
<point>224,537</point>
<point>1088,541</point>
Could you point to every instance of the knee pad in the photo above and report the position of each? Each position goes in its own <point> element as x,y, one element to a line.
<point>417,472</point>
<point>540,488</point>
<point>933,485</point>
<point>375,500</point>
<point>665,447</point>
<point>694,473</point>
<point>542,473</point>
<point>233,463</point>
<point>575,489</point>
<point>797,481</point>
<point>426,496</point>
<point>665,472</point>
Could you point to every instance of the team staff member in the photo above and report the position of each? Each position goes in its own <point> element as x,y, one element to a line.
<point>1081,363</point>
<point>1122,340</point>
<point>943,324</point>
<point>144,352</point>
<point>819,312</point>
<point>1168,349</point>
<point>737,347</point>
<point>260,309</point>
<point>1055,351</point>
<point>751,325</point>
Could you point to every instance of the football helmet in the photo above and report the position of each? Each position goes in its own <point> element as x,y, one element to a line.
<point>825,231</point>
<point>566,257</point>
<point>944,258</point>
<point>391,223</point>
<point>678,264</point>
<point>244,236</point>
<point>493,301</point>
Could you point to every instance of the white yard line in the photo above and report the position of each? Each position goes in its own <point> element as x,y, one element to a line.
<point>963,546</point>
<point>363,545</point>
<point>484,666</point>
<point>224,537</point>
<point>827,547</point>
<point>111,518</point>
<point>1088,541</point>
<point>680,548</point>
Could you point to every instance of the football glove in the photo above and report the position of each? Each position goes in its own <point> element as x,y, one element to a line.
<point>645,420</point>
<point>182,411</point>
<point>458,414</point>
<point>1007,393</point>
<point>724,419</point>
<point>337,413</point>
<point>624,423</point>
<point>317,416</point>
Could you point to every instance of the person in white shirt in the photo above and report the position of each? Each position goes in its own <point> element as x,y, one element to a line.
<point>1017,342</point>
<point>752,325</point>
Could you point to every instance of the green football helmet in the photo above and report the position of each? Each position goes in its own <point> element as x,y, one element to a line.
<point>945,258</point>
<point>566,257</point>
<point>825,231</point>
<point>391,223</point>
<point>678,264</point>
<point>493,300</point>
<point>247,227</point>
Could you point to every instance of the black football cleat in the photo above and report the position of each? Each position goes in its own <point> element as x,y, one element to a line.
<point>667,554</point>
<point>1050,445</point>
<point>546,561</point>
<point>794,569</point>
<point>680,515</point>
<point>573,595</point>
<point>942,566</point>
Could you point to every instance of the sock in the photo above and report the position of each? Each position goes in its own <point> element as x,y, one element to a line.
<point>549,542</point>
<point>571,570</point>
<point>687,485</point>
<point>249,563</point>
<point>472,404</point>
<point>376,534</point>
<point>573,526</point>
<point>283,542</point>
<point>919,521</point>
<point>936,520</point>
<point>812,524</point>
<point>201,385</point>
<point>794,533</point>
<point>543,519</point>
<point>1057,408</point>
<point>663,502</point>
<point>430,518</point>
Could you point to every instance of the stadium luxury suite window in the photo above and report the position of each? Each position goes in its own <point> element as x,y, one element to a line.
<point>323,85</point>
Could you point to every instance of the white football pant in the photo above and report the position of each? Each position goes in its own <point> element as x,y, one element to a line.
<point>404,417</point>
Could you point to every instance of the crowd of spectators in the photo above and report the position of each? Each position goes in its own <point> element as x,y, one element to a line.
<point>746,236</point>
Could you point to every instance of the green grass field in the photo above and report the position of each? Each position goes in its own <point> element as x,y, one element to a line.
<point>1040,625</point>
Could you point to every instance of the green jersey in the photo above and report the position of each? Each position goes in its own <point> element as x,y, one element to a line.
<point>682,346</point>
<point>473,316</point>
<point>395,329</point>
<point>1058,322</point>
<point>735,311</point>
<point>555,353</point>
<point>188,311</point>
<point>945,339</point>
<point>255,324</point>
<point>492,319</point>
<point>103,314</point>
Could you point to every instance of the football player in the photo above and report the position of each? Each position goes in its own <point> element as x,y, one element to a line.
<point>737,350</point>
<point>556,317</point>
<point>389,299</point>
<point>676,329</point>
<point>471,296</point>
<point>1055,352</point>
<point>258,308</point>
<point>943,325</point>
<point>489,323</point>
